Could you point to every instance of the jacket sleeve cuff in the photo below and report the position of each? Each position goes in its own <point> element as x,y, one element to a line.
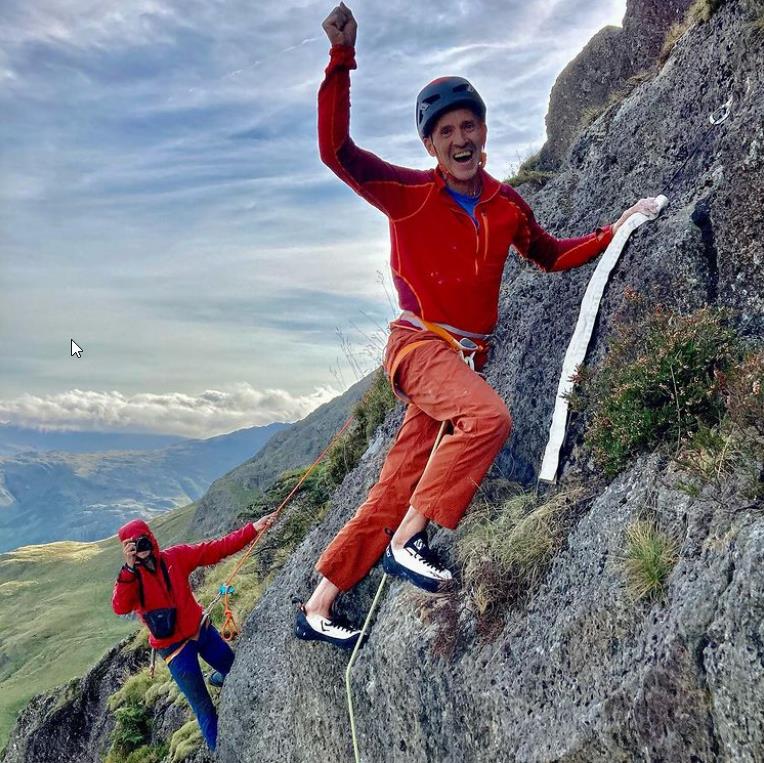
<point>126,575</point>
<point>341,56</point>
<point>604,234</point>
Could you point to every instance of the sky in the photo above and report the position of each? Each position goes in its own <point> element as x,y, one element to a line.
<point>163,204</point>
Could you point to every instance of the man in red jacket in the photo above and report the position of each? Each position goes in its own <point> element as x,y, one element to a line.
<point>154,583</point>
<point>451,229</point>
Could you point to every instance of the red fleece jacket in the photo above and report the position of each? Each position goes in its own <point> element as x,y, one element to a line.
<point>181,561</point>
<point>446,268</point>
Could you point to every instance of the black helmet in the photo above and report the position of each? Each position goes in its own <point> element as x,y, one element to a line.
<point>442,95</point>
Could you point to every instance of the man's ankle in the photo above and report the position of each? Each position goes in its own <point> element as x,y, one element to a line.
<point>316,609</point>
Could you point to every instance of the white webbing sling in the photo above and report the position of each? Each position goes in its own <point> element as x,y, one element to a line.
<point>579,342</point>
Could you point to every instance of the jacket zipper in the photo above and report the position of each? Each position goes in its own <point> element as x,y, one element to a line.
<point>476,226</point>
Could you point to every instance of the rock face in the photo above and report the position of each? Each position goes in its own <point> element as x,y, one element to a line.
<point>582,674</point>
<point>612,56</point>
<point>579,673</point>
<point>72,723</point>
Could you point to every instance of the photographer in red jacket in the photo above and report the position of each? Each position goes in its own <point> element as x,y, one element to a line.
<point>154,583</point>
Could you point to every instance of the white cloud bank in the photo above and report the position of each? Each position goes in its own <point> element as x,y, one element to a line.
<point>209,413</point>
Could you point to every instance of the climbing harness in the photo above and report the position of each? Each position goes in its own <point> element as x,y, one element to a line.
<point>468,345</point>
<point>579,342</point>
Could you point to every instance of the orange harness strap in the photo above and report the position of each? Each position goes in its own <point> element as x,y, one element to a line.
<point>444,334</point>
<point>397,361</point>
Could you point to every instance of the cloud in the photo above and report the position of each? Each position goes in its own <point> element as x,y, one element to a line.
<point>203,415</point>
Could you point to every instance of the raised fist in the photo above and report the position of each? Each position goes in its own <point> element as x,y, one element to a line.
<point>340,26</point>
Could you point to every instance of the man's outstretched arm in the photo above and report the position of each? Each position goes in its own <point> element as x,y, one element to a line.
<point>554,254</point>
<point>379,182</point>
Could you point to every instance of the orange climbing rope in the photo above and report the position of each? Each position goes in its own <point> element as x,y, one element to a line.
<point>230,628</point>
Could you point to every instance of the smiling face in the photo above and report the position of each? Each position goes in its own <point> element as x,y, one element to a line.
<point>457,141</point>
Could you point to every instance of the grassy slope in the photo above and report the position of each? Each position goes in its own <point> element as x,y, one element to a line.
<point>55,612</point>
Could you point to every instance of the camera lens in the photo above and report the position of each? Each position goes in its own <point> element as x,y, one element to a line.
<point>143,544</point>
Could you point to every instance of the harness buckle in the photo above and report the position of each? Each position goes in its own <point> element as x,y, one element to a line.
<point>468,349</point>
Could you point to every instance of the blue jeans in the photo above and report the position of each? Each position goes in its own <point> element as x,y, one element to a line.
<point>185,669</point>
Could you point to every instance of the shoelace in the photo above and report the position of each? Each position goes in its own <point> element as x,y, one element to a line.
<point>340,626</point>
<point>430,558</point>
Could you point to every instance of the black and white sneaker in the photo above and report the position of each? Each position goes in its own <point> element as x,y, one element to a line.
<point>317,628</point>
<point>417,563</point>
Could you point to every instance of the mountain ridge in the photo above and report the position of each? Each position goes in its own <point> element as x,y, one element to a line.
<point>48,496</point>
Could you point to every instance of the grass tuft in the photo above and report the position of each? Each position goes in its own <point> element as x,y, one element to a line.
<point>505,551</point>
<point>649,558</point>
<point>185,742</point>
<point>529,172</point>
<point>699,12</point>
<point>149,754</point>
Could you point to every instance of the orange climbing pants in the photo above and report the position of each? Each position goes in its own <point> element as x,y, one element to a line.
<point>440,387</point>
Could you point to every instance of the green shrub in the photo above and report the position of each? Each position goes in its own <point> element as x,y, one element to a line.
<point>149,754</point>
<point>131,731</point>
<point>734,448</point>
<point>659,382</point>
<point>649,557</point>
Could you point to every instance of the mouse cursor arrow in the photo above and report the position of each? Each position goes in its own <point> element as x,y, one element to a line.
<point>76,349</point>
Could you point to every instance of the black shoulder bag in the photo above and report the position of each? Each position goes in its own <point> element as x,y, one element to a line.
<point>161,621</point>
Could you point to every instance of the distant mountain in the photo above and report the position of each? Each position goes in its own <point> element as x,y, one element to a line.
<point>14,439</point>
<point>295,447</point>
<point>51,496</point>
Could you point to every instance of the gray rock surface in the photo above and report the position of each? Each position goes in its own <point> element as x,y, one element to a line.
<point>73,723</point>
<point>603,67</point>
